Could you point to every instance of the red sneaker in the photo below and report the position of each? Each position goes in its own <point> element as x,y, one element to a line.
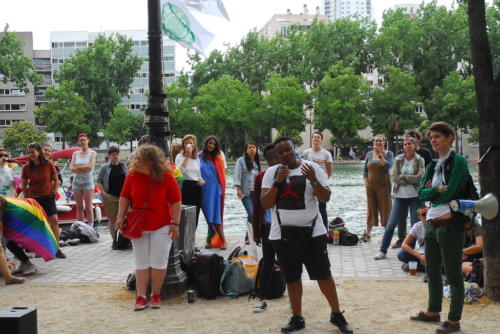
<point>140,303</point>
<point>155,300</point>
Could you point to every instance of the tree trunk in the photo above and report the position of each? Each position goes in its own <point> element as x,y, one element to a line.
<point>488,104</point>
<point>131,148</point>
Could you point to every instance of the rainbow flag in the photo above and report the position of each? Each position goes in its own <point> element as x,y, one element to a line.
<point>25,223</point>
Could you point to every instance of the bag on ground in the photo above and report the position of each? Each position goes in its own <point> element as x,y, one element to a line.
<point>235,282</point>
<point>122,242</point>
<point>347,238</point>
<point>270,287</point>
<point>207,272</point>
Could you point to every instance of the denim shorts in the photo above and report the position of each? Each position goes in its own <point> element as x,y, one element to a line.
<point>83,182</point>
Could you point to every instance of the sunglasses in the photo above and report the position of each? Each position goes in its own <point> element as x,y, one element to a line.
<point>4,155</point>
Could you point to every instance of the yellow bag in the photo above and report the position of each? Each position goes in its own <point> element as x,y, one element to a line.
<point>249,264</point>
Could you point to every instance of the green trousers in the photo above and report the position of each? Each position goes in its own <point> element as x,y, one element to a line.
<point>444,248</point>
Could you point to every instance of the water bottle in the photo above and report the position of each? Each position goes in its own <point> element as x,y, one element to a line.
<point>287,178</point>
<point>336,237</point>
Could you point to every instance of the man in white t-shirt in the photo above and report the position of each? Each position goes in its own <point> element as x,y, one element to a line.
<point>324,159</point>
<point>292,189</point>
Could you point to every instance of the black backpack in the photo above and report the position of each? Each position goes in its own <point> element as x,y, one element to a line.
<point>122,242</point>
<point>207,272</point>
<point>276,287</point>
<point>347,238</point>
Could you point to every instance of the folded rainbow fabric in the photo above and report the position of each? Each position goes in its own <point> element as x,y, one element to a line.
<point>25,223</point>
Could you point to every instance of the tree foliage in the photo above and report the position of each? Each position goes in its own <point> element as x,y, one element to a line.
<point>340,104</point>
<point>66,112</point>
<point>229,108</point>
<point>285,102</point>
<point>392,109</point>
<point>124,126</point>
<point>14,65</point>
<point>102,74</point>
<point>20,134</point>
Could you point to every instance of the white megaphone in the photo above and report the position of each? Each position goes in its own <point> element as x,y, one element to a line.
<point>486,206</point>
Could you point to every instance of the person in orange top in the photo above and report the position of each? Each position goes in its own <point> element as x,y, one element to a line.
<point>40,182</point>
<point>149,181</point>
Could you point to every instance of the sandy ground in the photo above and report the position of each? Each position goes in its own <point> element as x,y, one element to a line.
<point>371,307</point>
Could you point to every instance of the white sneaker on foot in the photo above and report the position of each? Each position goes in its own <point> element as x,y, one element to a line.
<point>260,307</point>
<point>27,268</point>
<point>380,256</point>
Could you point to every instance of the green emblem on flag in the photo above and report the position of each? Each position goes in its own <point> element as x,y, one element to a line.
<point>175,24</point>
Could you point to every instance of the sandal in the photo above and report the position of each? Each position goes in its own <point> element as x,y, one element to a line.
<point>365,237</point>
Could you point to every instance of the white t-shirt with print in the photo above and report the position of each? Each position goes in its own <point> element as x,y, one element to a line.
<point>298,205</point>
<point>6,178</point>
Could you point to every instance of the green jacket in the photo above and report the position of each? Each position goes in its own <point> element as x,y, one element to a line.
<point>456,173</point>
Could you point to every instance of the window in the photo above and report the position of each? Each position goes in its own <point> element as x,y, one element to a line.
<point>12,107</point>
<point>69,44</point>
<point>144,43</point>
<point>8,122</point>
<point>169,58</point>
<point>168,75</point>
<point>13,92</point>
<point>81,44</point>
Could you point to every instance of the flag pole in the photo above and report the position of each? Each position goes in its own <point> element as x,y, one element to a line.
<point>157,121</point>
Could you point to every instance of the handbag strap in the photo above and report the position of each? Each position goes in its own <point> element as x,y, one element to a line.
<point>149,195</point>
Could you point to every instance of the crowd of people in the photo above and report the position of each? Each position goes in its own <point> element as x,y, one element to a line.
<point>285,206</point>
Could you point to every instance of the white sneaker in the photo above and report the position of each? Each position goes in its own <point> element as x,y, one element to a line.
<point>260,307</point>
<point>28,269</point>
<point>380,256</point>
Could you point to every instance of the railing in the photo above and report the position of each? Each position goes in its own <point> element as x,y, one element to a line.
<point>43,67</point>
<point>41,98</point>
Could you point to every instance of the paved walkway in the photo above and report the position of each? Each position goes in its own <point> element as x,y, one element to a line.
<point>88,263</point>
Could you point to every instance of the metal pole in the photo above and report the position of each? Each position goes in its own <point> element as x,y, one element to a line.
<point>157,122</point>
<point>156,115</point>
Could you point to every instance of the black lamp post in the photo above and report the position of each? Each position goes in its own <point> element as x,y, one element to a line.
<point>157,122</point>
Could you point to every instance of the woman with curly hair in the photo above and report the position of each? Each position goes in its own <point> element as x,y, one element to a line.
<point>149,176</point>
<point>213,192</point>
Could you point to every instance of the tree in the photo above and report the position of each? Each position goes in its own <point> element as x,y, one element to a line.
<point>14,65</point>
<point>455,102</point>
<point>428,44</point>
<point>231,111</point>
<point>102,74</point>
<point>183,116</point>
<point>285,104</point>
<point>124,126</point>
<point>392,108</point>
<point>488,101</point>
<point>20,134</point>
<point>340,104</point>
<point>66,112</point>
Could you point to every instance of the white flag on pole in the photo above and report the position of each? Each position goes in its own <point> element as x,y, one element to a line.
<point>179,25</point>
<point>211,7</point>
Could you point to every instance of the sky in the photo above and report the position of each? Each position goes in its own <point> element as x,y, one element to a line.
<point>43,16</point>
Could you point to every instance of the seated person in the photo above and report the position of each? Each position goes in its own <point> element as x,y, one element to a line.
<point>413,248</point>
<point>473,245</point>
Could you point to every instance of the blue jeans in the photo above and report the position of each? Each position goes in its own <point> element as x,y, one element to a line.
<point>248,204</point>
<point>399,211</point>
<point>406,257</point>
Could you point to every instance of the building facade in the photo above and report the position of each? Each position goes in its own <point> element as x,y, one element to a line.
<point>336,9</point>
<point>282,23</point>
<point>65,44</point>
<point>17,104</point>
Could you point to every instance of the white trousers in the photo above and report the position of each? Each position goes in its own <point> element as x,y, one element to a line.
<point>152,249</point>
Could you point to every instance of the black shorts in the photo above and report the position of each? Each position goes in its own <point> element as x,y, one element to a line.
<point>48,203</point>
<point>313,255</point>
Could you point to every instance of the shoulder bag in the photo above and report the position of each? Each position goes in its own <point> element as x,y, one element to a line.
<point>136,219</point>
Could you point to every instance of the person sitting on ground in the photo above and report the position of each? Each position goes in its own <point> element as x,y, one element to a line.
<point>292,189</point>
<point>473,245</point>
<point>413,246</point>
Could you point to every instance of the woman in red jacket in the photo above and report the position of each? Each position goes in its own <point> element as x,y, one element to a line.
<point>150,184</point>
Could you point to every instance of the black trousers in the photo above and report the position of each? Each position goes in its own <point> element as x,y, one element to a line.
<point>322,212</point>
<point>17,251</point>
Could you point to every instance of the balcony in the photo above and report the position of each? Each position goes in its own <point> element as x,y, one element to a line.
<point>41,98</point>
<point>43,67</point>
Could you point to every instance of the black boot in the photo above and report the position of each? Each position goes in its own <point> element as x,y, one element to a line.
<point>296,323</point>
<point>337,319</point>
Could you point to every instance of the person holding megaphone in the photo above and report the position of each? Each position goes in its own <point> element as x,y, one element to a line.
<point>444,180</point>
